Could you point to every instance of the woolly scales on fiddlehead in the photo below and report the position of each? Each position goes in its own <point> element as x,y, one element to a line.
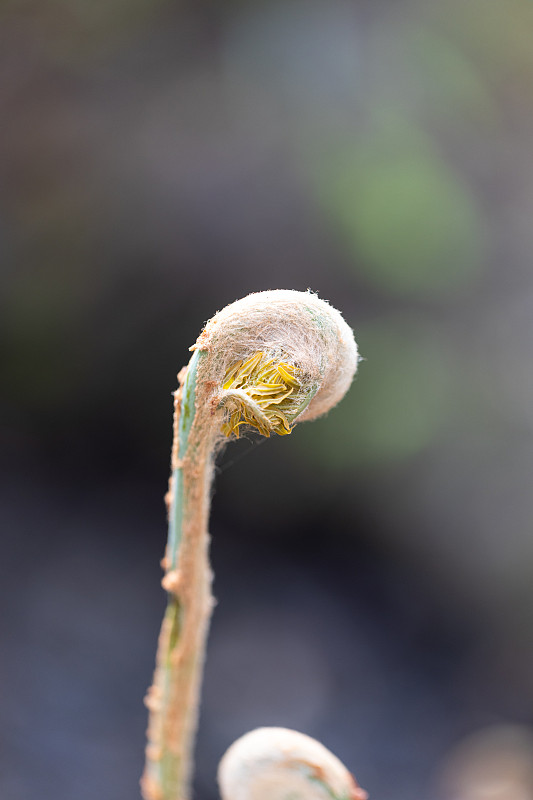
<point>264,362</point>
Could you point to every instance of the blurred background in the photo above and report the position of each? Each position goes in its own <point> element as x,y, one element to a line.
<point>374,571</point>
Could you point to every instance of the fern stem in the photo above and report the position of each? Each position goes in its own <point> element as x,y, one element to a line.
<point>173,699</point>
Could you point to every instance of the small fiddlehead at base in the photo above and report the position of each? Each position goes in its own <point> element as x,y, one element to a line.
<point>277,764</point>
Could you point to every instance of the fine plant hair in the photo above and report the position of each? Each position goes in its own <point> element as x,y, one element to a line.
<point>264,362</point>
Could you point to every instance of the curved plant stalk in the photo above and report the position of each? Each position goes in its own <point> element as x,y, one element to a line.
<point>264,362</point>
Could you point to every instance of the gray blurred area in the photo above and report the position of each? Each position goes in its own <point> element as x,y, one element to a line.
<point>374,571</point>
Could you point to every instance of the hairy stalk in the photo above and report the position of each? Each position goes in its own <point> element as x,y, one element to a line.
<point>263,362</point>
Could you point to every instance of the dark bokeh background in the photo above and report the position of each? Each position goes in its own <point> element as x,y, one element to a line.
<point>375,570</point>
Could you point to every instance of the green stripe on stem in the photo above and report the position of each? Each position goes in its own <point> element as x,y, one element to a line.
<point>185,422</point>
